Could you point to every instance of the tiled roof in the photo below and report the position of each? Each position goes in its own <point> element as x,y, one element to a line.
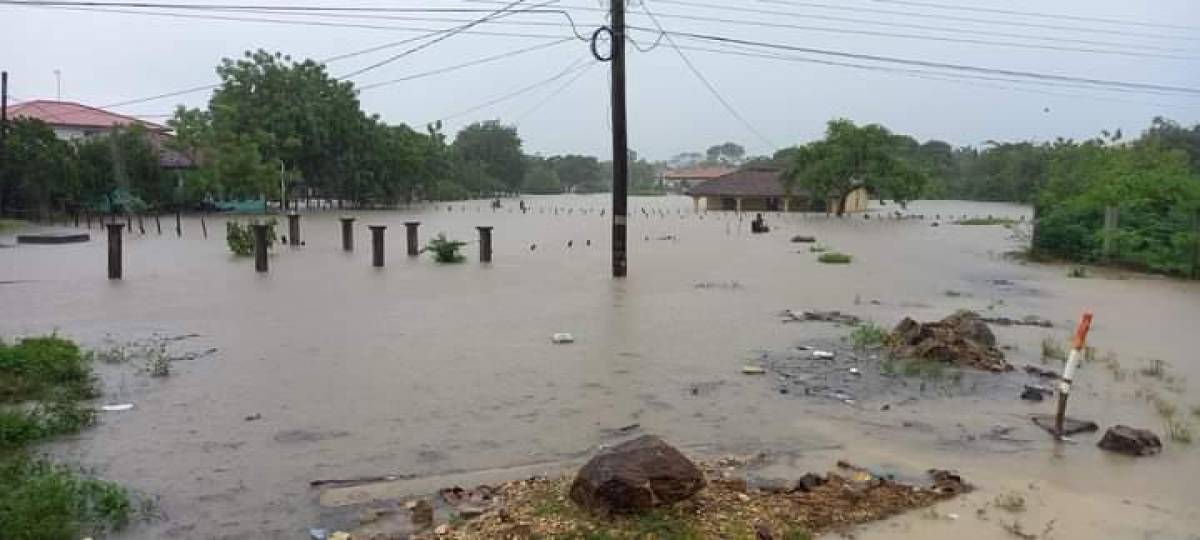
<point>697,172</point>
<point>755,182</point>
<point>66,113</point>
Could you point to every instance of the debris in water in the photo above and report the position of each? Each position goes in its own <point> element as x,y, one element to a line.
<point>562,337</point>
<point>253,417</point>
<point>318,534</point>
<point>819,316</point>
<point>116,408</point>
<point>1071,426</point>
<point>1040,372</point>
<point>1035,393</point>
<point>802,239</point>
<point>1031,320</point>
<point>823,355</point>
<point>855,371</point>
<point>1130,441</point>
<point>753,370</point>
<point>961,338</point>
<point>361,480</point>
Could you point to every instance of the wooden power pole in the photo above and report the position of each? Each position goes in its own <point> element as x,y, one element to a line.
<point>3,128</point>
<point>620,141</point>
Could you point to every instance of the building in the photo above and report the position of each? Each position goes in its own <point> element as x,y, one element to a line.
<point>74,121</point>
<point>681,180</point>
<point>759,189</point>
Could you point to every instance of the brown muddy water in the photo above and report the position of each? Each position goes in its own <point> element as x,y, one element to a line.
<point>432,370</point>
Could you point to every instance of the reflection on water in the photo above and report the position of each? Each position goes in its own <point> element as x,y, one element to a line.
<point>426,368</point>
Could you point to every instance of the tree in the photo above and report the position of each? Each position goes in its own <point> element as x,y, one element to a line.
<point>540,177</point>
<point>40,173</point>
<point>850,157</point>
<point>727,153</point>
<point>580,173</point>
<point>497,149</point>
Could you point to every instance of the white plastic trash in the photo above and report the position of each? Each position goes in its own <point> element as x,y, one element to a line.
<point>116,408</point>
<point>563,337</point>
<point>753,370</point>
<point>822,354</point>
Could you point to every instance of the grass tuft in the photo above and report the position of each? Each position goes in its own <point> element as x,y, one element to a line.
<point>986,221</point>
<point>1053,350</point>
<point>868,335</point>
<point>834,257</point>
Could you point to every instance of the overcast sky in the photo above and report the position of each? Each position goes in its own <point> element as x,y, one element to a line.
<point>108,57</point>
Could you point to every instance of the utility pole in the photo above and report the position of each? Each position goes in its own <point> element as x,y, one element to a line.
<point>3,129</point>
<point>620,141</point>
<point>58,83</point>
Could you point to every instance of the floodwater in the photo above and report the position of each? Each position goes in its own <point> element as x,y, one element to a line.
<point>427,369</point>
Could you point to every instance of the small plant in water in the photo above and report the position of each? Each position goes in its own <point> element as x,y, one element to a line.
<point>444,250</point>
<point>1012,502</point>
<point>817,249</point>
<point>834,257</point>
<point>1154,369</point>
<point>157,361</point>
<point>240,238</point>
<point>1052,350</point>
<point>868,335</point>
<point>1077,272</point>
<point>1179,431</point>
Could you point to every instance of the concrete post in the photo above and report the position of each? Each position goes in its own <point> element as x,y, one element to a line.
<point>377,245</point>
<point>294,229</point>
<point>738,205</point>
<point>114,250</point>
<point>787,202</point>
<point>347,234</point>
<point>485,244</point>
<point>411,231</point>
<point>260,247</point>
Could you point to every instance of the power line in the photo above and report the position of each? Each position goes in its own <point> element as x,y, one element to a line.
<point>941,17</point>
<point>475,62</point>
<point>578,75</point>
<point>933,64</point>
<point>711,89</point>
<point>579,63</point>
<point>1082,18</point>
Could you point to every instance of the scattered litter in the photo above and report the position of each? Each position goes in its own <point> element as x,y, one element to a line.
<point>952,516</point>
<point>1040,372</point>
<point>563,337</point>
<point>825,355</point>
<point>253,417</point>
<point>361,480</point>
<point>753,370</point>
<point>340,535</point>
<point>1071,426</point>
<point>117,408</point>
<point>318,534</point>
<point>855,371</point>
<point>1035,393</point>
<point>834,316</point>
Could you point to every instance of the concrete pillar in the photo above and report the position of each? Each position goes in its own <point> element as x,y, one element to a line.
<point>260,246</point>
<point>347,234</point>
<point>485,244</point>
<point>377,245</point>
<point>294,229</point>
<point>787,203</point>
<point>738,205</point>
<point>696,204</point>
<point>411,232</point>
<point>114,250</point>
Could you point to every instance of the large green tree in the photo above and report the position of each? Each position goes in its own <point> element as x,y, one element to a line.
<point>40,174</point>
<point>494,147</point>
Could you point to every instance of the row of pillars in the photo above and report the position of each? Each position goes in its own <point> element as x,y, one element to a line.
<point>115,242</point>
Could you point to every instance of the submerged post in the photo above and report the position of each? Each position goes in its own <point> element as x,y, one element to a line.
<point>485,244</point>
<point>347,234</point>
<point>178,226</point>
<point>260,247</point>
<point>114,250</point>
<point>294,229</point>
<point>1064,387</point>
<point>411,231</point>
<point>377,245</point>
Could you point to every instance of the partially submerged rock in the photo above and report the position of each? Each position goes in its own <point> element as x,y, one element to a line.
<point>1130,441</point>
<point>635,476</point>
<point>962,339</point>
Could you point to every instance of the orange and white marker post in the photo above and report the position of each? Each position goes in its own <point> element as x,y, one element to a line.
<point>1068,376</point>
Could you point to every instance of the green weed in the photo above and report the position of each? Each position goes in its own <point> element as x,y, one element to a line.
<point>1154,369</point>
<point>41,499</point>
<point>240,238</point>
<point>868,335</point>
<point>1053,350</point>
<point>834,257</point>
<point>445,251</point>
<point>1179,431</point>
<point>1012,502</point>
<point>1077,272</point>
<point>817,249</point>
<point>986,221</point>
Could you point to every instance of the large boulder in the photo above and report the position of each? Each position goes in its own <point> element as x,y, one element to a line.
<point>962,338</point>
<point>634,476</point>
<point>1130,441</point>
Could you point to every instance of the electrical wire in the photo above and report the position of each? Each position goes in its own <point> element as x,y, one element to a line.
<point>1082,18</point>
<point>579,63</point>
<point>707,84</point>
<point>930,64</point>
<point>475,62</point>
<point>578,75</point>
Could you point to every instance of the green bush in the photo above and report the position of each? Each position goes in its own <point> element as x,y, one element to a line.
<point>240,238</point>
<point>868,335</point>
<point>834,257</point>
<point>445,251</point>
<point>44,368</point>
<point>44,500</point>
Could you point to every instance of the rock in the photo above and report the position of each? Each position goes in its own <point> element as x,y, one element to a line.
<point>1130,441</point>
<point>802,239</point>
<point>809,482</point>
<point>634,476</point>
<point>1040,372</point>
<point>962,339</point>
<point>422,513</point>
<point>1035,393</point>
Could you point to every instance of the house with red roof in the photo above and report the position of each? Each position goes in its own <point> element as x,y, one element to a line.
<point>761,189</point>
<point>681,180</point>
<point>73,121</point>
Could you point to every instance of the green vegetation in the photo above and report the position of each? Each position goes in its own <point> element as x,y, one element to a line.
<point>1179,431</point>
<point>445,251</point>
<point>1077,272</point>
<point>868,335</point>
<point>10,224</point>
<point>42,381</point>
<point>986,221</point>
<point>1010,501</point>
<point>1154,369</point>
<point>834,257</point>
<point>1053,350</point>
<point>817,249</point>
<point>240,238</point>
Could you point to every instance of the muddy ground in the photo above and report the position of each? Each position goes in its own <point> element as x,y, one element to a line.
<point>327,368</point>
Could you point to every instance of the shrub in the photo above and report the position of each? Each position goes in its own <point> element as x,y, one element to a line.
<point>868,335</point>
<point>240,238</point>
<point>445,251</point>
<point>41,499</point>
<point>834,257</point>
